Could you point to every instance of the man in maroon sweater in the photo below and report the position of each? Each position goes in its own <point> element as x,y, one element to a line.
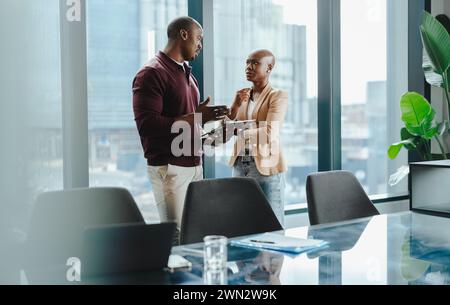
<point>166,95</point>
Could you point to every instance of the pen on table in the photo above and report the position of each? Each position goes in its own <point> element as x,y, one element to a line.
<point>262,241</point>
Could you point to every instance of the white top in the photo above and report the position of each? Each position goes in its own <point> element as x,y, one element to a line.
<point>178,63</point>
<point>250,108</point>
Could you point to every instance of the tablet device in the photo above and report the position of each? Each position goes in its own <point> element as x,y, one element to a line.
<point>228,124</point>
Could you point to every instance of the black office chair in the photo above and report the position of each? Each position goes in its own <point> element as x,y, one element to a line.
<point>60,218</point>
<point>336,196</point>
<point>230,207</point>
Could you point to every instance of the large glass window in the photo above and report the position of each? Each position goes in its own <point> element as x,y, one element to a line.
<point>122,36</point>
<point>30,115</point>
<point>289,29</point>
<point>374,75</point>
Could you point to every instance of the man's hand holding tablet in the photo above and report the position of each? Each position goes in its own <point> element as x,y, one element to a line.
<point>227,130</point>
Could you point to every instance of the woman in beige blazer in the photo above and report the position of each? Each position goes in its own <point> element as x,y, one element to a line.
<point>257,152</point>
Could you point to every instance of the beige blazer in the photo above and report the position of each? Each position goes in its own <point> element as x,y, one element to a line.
<point>265,141</point>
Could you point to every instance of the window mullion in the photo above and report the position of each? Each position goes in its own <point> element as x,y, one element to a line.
<point>329,85</point>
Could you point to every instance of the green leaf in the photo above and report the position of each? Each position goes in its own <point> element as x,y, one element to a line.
<point>433,78</point>
<point>436,41</point>
<point>431,133</point>
<point>395,148</point>
<point>405,135</point>
<point>418,115</point>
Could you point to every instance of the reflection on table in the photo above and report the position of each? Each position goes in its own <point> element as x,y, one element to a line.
<point>403,248</point>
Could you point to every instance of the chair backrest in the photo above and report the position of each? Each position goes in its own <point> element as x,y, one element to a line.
<point>230,207</point>
<point>60,218</point>
<point>126,249</point>
<point>336,196</point>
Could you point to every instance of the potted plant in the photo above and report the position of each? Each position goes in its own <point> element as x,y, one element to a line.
<point>420,127</point>
<point>417,113</point>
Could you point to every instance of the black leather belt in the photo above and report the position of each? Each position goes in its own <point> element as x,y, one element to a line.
<point>247,158</point>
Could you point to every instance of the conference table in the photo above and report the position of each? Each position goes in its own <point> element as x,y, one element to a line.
<point>405,248</point>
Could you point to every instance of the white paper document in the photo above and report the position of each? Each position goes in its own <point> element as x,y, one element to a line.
<point>277,242</point>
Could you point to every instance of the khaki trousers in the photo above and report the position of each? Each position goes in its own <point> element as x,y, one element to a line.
<point>170,185</point>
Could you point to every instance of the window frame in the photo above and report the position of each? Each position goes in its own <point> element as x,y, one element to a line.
<point>329,83</point>
<point>75,102</point>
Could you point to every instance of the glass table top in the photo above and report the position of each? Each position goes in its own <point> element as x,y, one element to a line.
<point>399,249</point>
<point>404,248</point>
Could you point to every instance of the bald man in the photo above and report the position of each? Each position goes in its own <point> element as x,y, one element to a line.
<point>257,151</point>
<point>165,92</point>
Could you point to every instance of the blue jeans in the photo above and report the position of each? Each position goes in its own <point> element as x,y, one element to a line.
<point>272,186</point>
